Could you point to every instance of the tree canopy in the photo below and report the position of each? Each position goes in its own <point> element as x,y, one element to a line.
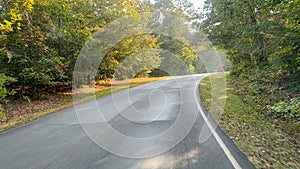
<point>260,36</point>
<point>40,40</point>
<point>262,42</point>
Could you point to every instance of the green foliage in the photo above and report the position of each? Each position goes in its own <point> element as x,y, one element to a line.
<point>4,81</point>
<point>262,43</point>
<point>40,40</point>
<point>42,50</point>
<point>284,109</point>
<point>122,52</point>
<point>2,115</point>
<point>139,64</point>
<point>256,34</point>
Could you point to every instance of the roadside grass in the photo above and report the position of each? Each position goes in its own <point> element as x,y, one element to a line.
<point>267,142</point>
<point>21,112</point>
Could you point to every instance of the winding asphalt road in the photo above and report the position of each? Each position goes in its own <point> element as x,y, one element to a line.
<point>71,140</point>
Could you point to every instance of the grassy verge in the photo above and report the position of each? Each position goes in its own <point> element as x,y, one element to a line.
<point>20,112</point>
<point>268,142</point>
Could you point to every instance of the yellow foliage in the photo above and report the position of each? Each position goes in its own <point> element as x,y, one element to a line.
<point>16,16</point>
<point>130,7</point>
<point>28,4</point>
<point>6,26</point>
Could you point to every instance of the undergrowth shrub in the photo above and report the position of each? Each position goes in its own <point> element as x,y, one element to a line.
<point>4,92</point>
<point>286,110</point>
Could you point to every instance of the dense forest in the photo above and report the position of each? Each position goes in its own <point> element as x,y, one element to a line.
<point>262,41</point>
<point>40,41</point>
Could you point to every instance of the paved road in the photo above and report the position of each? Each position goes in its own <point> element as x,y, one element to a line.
<point>146,111</point>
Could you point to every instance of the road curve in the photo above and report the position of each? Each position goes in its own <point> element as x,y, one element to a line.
<point>75,138</point>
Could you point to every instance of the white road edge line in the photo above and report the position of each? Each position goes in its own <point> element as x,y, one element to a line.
<point>233,161</point>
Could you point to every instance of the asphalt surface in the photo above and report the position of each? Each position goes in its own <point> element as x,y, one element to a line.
<point>81,138</point>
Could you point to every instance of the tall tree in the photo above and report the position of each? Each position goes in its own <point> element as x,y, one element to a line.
<point>258,35</point>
